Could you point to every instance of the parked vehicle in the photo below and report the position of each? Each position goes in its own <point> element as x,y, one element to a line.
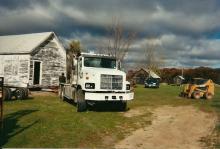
<point>97,78</point>
<point>15,91</point>
<point>152,83</point>
<point>199,88</point>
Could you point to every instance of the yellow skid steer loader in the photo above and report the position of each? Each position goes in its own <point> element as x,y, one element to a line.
<point>199,88</point>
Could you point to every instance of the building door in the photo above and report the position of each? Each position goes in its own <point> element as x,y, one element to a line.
<point>37,72</point>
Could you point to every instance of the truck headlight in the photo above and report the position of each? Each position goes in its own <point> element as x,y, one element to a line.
<point>90,85</point>
<point>128,86</point>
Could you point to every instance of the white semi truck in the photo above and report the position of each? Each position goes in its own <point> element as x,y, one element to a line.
<point>95,78</point>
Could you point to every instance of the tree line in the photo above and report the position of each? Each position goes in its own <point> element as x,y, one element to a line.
<point>168,74</point>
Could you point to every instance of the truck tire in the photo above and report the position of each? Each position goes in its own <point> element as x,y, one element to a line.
<point>123,105</point>
<point>19,93</point>
<point>81,102</point>
<point>7,94</point>
<point>182,94</point>
<point>25,92</point>
<point>208,96</point>
<point>196,95</point>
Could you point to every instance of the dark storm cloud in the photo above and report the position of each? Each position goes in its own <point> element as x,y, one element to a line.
<point>147,17</point>
<point>181,28</point>
<point>17,4</point>
<point>196,7</point>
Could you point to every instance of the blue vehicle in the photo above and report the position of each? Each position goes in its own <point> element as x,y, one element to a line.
<point>152,83</point>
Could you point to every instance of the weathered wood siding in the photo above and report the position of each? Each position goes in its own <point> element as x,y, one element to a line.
<point>53,62</point>
<point>15,69</point>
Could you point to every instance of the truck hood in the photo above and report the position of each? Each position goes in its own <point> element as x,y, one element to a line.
<point>97,71</point>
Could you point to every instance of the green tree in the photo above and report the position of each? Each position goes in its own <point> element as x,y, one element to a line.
<point>74,50</point>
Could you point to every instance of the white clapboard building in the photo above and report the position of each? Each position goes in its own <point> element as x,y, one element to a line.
<point>36,59</point>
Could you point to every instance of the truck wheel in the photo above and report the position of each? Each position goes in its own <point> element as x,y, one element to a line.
<point>7,94</point>
<point>208,96</point>
<point>181,94</point>
<point>124,105</point>
<point>25,92</point>
<point>19,93</point>
<point>196,95</point>
<point>81,103</point>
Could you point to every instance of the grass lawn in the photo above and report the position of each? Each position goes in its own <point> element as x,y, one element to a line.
<point>45,121</point>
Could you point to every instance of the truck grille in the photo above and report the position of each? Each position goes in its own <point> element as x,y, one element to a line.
<point>113,82</point>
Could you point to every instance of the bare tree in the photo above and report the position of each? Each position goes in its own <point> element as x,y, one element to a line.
<point>119,40</point>
<point>154,57</point>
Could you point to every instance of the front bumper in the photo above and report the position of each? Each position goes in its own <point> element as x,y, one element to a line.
<point>151,85</point>
<point>109,96</point>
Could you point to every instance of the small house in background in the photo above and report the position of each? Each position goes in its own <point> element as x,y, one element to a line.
<point>36,59</point>
<point>178,80</point>
<point>142,74</point>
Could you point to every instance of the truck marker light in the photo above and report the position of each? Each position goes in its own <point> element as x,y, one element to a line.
<point>128,86</point>
<point>113,97</point>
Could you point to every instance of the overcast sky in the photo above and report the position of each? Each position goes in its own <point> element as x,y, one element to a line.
<point>186,32</point>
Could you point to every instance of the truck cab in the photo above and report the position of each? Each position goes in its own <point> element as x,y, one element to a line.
<point>95,78</point>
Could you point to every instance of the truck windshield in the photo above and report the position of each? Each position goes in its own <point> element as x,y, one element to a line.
<point>99,62</point>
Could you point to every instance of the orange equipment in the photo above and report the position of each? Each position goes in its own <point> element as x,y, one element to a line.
<point>199,88</point>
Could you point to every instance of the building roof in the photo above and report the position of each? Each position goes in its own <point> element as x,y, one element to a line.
<point>20,44</point>
<point>151,73</point>
<point>181,77</point>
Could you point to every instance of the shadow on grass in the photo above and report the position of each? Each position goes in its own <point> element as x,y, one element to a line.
<point>14,99</point>
<point>102,106</point>
<point>107,107</point>
<point>11,127</point>
<point>69,101</point>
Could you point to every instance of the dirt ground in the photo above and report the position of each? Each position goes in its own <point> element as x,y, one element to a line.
<point>182,127</point>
